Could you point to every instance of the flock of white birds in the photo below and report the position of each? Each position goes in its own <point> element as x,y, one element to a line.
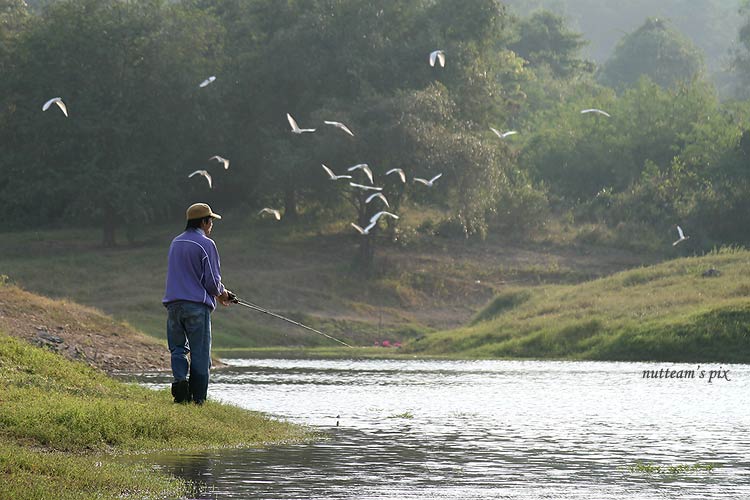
<point>436,57</point>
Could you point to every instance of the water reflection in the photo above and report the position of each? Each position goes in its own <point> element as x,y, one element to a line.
<point>485,429</point>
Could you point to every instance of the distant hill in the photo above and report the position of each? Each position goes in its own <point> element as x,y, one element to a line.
<point>693,309</point>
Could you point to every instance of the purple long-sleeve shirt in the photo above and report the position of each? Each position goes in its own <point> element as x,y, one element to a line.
<point>193,269</point>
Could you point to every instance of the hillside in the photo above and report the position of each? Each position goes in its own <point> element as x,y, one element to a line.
<point>425,286</point>
<point>78,332</point>
<point>688,309</point>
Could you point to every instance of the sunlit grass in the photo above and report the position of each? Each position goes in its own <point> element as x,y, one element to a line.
<point>60,421</point>
<point>664,312</point>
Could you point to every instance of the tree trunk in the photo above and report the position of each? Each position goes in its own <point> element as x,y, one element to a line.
<point>366,253</point>
<point>109,227</point>
<point>290,205</point>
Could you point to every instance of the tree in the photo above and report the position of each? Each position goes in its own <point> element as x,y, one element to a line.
<point>655,50</point>
<point>129,73</point>
<point>544,40</point>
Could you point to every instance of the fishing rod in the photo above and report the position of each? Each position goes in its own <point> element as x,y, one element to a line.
<point>233,298</point>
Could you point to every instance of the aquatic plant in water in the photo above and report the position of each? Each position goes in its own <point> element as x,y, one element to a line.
<point>652,468</point>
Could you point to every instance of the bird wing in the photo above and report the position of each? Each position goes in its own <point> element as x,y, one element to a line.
<point>400,173</point>
<point>368,172</point>
<point>357,166</point>
<point>207,81</point>
<point>497,132</point>
<point>329,171</point>
<point>506,134</point>
<point>339,125</point>
<point>433,55</point>
<point>197,172</point>
<point>271,211</point>
<point>355,226</point>
<point>441,58</point>
<point>377,216</point>
<point>679,231</point>
<point>595,110</point>
<point>62,106</point>
<point>371,188</point>
<point>47,104</point>
<point>377,195</point>
<point>436,178</point>
<point>292,122</point>
<point>222,160</point>
<point>59,102</point>
<point>423,181</point>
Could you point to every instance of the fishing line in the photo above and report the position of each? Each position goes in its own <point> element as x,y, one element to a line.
<point>263,310</point>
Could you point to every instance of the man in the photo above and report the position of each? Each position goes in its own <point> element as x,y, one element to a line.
<point>193,287</point>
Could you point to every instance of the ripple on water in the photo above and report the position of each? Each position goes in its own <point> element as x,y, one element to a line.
<point>477,429</point>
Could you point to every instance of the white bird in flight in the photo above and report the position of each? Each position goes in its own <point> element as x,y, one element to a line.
<point>370,188</point>
<point>222,160</point>
<point>59,102</point>
<point>426,182</point>
<point>341,126</point>
<point>595,110</point>
<point>377,195</point>
<point>271,211</point>
<point>334,176</point>
<point>295,127</point>
<point>365,230</point>
<point>399,172</point>
<point>365,168</point>
<point>373,222</point>
<point>204,174</point>
<point>207,81</point>
<point>503,135</point>
<point>440,56</point>
<point>374,218</point>
<point>682,236</point>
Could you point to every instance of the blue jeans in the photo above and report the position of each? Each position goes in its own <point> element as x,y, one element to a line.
<point>189,332</point>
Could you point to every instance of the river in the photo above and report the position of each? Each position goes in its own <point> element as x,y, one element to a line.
<point>416,429</point>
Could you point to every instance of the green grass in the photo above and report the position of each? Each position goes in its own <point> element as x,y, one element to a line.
<point>666,312</point>
<point>59,419</point>
<point>303,271</point>
<point>280,268</point>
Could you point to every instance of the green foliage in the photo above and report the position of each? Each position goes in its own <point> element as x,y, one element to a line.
<point>582,157</point>
<point>655,50</point>
<point>128,72</point>
<point>544,40</point>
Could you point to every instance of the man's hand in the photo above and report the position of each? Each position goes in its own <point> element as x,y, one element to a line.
<point>226,298</point>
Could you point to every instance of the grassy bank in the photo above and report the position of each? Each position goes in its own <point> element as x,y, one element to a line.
<point>667,312</point>
<point>61,422</point>
<point>303,273</point>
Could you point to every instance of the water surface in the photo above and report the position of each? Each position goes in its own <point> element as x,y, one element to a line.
<point>479,429</point>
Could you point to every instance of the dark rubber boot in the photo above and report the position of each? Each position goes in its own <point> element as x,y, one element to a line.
<point>181,391</point>
<point>198,387</point>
